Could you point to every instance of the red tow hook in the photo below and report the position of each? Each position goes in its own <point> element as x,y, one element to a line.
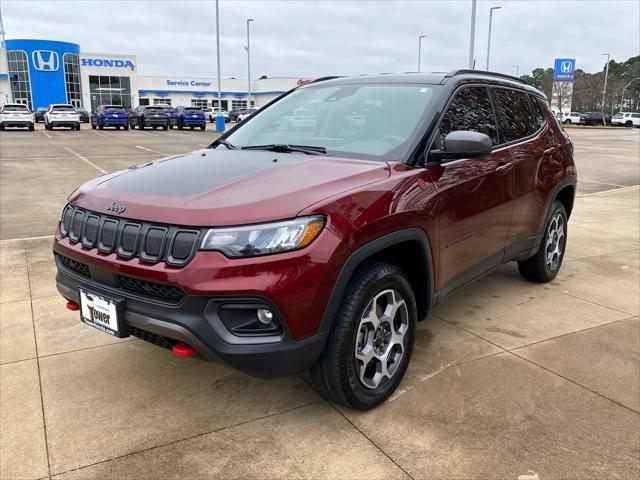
<point>73,306</point>
<point>184,350</point>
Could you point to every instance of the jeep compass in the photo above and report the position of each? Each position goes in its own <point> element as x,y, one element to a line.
<point>317,243</point>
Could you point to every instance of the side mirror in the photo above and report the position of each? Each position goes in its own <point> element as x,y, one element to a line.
<point>465,144</point>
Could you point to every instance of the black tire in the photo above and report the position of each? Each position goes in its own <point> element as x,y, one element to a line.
<point>628,123</point>
<point>165,127</point>
<point>567,122</point>
<point>335,374</point>
<point>93,125</point>
<point>536,268</point>
<point>203,126</point>
<point>155,127</point>
<point>2,127</point>
<point>191,127</point>
<point>32,127</point>
<point>101,127</point>
<point>171,126</point>
<point>180,126</point>
<point>126,126</point>
<point>78,126</point>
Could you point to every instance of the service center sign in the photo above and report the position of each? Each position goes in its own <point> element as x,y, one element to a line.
<point>563,69</point>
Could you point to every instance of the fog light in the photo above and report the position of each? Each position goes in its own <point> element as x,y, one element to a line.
<point>265,316</point>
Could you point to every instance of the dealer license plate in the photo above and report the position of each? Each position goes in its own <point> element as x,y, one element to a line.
<point>102,313</point>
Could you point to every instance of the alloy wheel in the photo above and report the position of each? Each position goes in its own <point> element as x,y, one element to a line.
<point>555,241</point>
<point>380,339</point>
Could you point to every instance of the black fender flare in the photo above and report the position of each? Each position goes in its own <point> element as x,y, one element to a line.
<point>366,251</point>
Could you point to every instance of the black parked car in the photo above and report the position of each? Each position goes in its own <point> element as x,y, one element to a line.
<point>149,116</point>
<point>84,115</point>
<point>39,114</point>
<point>594,118</point>
<point>233,114</point>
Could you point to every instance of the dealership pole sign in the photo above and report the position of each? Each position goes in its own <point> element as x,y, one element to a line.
<point>564,69</point>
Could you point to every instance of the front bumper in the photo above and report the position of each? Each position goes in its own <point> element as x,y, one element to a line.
<point>295,286</point>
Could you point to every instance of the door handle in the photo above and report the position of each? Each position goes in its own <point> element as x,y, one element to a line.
<point>504,169</point>
<point>549,151</point>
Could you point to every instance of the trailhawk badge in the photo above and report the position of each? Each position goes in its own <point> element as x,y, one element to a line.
<point>116,207</point>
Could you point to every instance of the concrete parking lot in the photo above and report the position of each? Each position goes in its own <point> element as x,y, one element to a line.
<point>508,379</point>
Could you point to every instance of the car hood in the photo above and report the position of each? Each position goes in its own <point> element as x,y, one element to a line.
<point>212,187</point>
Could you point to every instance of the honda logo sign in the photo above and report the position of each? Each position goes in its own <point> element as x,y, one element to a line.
<point>563,69</point>
<point>45,60</point>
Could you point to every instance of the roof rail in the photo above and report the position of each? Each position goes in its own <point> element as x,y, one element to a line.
<point>453,73</point>
<point>323,79</point>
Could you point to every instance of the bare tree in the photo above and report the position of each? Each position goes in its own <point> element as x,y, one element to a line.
<point>561,95</point>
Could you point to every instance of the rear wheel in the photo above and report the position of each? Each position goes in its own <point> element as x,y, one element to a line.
<point>155,127</point>
<point>371,339</point>
<point>203,126</point>
<point>32,127</point>
<point>165,127</point>
<point>101,127</point>
<point>126,126</point>
<point>545,264</point>
<point>191,127</point>
<point>180,126</point>
<point>78,126</point>
<point>2,127</point>
<point>567,122</point>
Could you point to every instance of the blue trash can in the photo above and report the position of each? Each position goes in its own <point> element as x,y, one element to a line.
<point>220,123</point>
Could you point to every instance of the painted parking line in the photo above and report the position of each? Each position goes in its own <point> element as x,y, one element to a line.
<point>46,134</point>
<point>101,134</point>
<point>147,133</point>
<point>150,150</point>
<point>85,160</point>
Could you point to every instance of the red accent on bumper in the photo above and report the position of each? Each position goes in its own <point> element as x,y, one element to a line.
<point>73,306</point>
<point>183,350</point>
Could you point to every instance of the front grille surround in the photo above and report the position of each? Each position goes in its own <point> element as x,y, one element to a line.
<point>151,243</point>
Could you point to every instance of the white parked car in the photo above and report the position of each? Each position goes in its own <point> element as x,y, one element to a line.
<point>212,112</point>
<point>16,115</point>
<point>246,114</point>
<point>628,119</point>
<point>61,115</point>
<point>571,118</point>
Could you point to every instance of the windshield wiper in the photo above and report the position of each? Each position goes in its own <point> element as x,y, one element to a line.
<point>220,141</point>
<point>286,148</point>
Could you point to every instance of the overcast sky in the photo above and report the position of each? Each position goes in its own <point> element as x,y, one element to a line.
<point>317,38</point>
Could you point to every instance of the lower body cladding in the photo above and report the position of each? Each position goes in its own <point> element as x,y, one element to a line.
<point>16,123</point>
<point>247,332</point>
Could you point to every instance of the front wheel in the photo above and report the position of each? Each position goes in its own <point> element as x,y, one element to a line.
<point>371,340</point>
<point>545,264</point>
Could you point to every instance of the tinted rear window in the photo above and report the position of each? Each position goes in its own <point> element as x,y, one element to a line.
<point>470,110</point>
<point>63,109</point>
<point>154,109</point>
<point>513,114</point>
<point>114,109</point>
<point>15,108</point>
<point>538,111</point>
<point>192,109</point>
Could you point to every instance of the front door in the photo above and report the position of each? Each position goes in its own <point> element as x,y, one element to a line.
<point>474,197</point>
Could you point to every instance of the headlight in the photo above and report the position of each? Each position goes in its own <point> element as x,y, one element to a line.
<point>265,238</point>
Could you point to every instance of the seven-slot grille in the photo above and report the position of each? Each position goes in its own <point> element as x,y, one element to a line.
<point>150,243</point>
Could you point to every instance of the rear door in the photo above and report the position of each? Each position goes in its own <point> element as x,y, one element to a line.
<point>474,201</point>
<point>525,134</point>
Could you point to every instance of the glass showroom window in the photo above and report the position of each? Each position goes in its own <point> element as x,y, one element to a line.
<point>198,102</point>
<point>162,101</point>
<point>19,74</point>
<point>72,79</point>
<point>106,90</point>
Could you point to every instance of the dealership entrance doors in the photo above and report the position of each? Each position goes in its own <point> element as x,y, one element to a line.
<point>109,90</point>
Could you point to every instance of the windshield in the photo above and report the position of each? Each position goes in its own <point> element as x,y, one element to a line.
<point>372,121</point>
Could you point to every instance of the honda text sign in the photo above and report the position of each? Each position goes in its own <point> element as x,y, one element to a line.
<point>563,69</point>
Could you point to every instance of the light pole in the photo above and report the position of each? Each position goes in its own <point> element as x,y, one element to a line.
<point>249,20</point>
<point>622,94</point>
<point>219,117</point>
<point>517,67</point>
<point>604,90</point>
<point>489,39</point>
<point>472,35</point>
<point>4,49</point>
<point>420,50</point>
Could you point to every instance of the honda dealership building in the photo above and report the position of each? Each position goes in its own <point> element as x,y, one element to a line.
<point>41,72</point>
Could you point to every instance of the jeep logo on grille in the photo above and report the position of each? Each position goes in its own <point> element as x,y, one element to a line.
<point>116,207</point>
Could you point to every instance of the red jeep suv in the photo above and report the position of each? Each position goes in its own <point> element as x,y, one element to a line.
<point>316,233</point>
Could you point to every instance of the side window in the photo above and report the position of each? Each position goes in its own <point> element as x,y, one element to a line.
<point>513,114</point>
<point>470,110</point>
<point>538,113</point>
